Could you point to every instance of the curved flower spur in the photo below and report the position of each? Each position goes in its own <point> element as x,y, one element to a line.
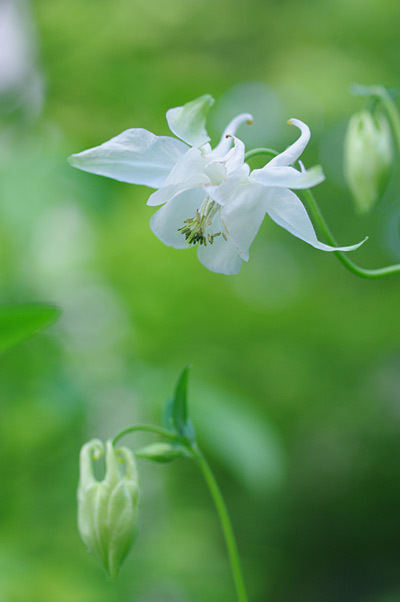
<point>209,197</point>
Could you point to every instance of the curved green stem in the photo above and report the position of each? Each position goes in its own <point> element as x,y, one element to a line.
<point>319,218</point>
<point>260,151</point>
<point>225,522</point>
<point>391,111</point>
<point>350,265</point>
<point>375,94</point>
<point>215,494</point>
<point>149,429</point>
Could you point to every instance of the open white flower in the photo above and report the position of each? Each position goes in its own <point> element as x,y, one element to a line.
<point>209,197</point>
<point>181,170</point>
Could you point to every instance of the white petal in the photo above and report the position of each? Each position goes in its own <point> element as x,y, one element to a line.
<point>293,152</point>
<point>288,177</point>
<point>216,172</point>
<point>243,211</point>
<point>166,193</point>
<point>188,122</point>
<point>234,159</point>
<point>286,209</point>
<point>196,167</point>
<point>166,222</point>
<point>221,257</point>
<point>227,192</point>
<point>188,168</point>
<point>136,156</point>
<point>231,129</point>
<point>191,171</point>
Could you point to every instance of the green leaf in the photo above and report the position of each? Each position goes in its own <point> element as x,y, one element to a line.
<point>176,414</point>
<point>180,400</point>
<point>168,415</point>
<point>20,321</point>
<point>242,439</point>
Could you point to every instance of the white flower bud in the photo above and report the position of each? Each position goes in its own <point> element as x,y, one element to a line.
<point>368,158</point>
<point>108,509</point>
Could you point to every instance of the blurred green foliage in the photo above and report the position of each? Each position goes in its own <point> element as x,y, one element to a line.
<point>301,358</point>
<point>20,321</point>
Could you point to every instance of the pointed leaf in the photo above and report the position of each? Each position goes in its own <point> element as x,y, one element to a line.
<point>20,321</point>
<point>168,415</point>
<point>176,414</point>
<point>179,408</point>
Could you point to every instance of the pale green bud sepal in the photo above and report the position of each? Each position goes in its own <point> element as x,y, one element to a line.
<point>108,509</point>
<point>160,452</point>
<point>368,158</point>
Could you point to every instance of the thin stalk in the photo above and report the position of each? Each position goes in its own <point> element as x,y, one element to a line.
<point>260,151</point>
<point>391,111</point>
<point>350,265</point>
<point>225,522</point>
<point>376,94</point>
<point>216,495</point>
<point>149,429</point>
<point>319,218</point>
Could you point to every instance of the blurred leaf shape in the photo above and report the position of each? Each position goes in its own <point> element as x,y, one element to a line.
<point>20,321</point>
<point>242,439</point>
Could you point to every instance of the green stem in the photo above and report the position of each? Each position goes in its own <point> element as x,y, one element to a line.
<point>260,151</point>
<point>380,94</point>
<point>319,218</point>
<point>215,494</point>
<point>149,429</point>
<point>350,265</point>
<point>225,522</point>
<point>391,111</point>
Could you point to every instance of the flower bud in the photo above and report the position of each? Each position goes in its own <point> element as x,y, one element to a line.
<point>368,158</point>
<point>108,509</point>
<point>160,452</point>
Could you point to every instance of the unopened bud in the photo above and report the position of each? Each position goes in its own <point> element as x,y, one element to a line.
<point>160,452</point>
<point>108,509</point>
<point>368,158</point>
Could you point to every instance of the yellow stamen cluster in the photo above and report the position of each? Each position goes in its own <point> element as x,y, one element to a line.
<point>195,227</point>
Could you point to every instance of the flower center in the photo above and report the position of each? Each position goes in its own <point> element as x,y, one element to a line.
<point>197,229</point>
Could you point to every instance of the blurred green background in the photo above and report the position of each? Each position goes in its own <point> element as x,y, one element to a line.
<point>295,385</point>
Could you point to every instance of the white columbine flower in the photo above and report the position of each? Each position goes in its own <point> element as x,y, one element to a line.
<point>209,197</point>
